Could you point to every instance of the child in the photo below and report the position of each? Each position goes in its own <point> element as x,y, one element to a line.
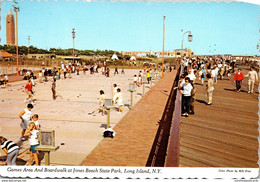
<point>102,101</point>
<point>135,80</point>
<point>25,116</point>
<point>119,99</point>
<point>33,133</point>
<point>11,149</point>
<point>35,118</point>
<point>29,91</point>
<point>5,79</point>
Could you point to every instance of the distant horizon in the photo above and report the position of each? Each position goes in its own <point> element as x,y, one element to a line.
<point>217,28</point>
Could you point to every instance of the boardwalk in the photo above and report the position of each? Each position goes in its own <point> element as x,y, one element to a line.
<point>223,134</point>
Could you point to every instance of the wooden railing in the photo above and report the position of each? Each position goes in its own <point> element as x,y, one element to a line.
<point>158,154</point>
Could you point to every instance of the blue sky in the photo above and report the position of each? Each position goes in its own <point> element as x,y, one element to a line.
<point>137,26</point>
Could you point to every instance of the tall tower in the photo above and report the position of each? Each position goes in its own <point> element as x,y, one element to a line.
<point>10,30</point>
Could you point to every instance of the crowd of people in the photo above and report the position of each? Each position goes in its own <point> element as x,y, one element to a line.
<point>209,70</point>
<point>197,71</point>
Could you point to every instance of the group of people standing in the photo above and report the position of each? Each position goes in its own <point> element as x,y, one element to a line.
<point>252,78</point>
<point>208,70</point>
<point>30,128</point>
<point>117,98</point>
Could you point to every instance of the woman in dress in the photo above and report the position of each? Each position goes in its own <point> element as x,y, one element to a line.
<point>118,98</point>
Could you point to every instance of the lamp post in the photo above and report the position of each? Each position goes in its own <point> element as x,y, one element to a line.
<point>73,36</point>
<point>143,81</point>
<point>189,39</point>
<point>164,16</point>
<point>258,45</point>
<point>28,45</point>
<point>16,9</point>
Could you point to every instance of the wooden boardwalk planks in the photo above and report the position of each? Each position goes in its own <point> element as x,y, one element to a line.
<point>224,134</point>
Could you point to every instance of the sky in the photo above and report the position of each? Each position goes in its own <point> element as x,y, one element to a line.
<point>227,28</point>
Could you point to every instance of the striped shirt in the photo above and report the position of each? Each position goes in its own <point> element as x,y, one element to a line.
<point>9,146</point>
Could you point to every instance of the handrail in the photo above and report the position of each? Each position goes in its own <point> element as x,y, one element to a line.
<point>159,149</point>
<point>172,157</point>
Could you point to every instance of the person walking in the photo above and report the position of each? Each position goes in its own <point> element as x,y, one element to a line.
<point>40,76</point>
<point>203,76</point>
<point>45,75</point>
<point>77,68</point>
<point>29,91</point>
<point>252,77</point>
<point>65,72</point>
<point>216,74</point>
<point>11,149</point>
<point>221,72</point>
<point>238,79</point>
<point>114,90</point>
<point>25,116</point>
<point>122,71</point>
<point>116,70</point>
<point>148,76</point>
<point>139,79</point>
<point>58,73</point>
<point>53,89</point>
<point>107,72</point>
<point>136,80</point>
<point>5,79</point>
<point>209,88</point>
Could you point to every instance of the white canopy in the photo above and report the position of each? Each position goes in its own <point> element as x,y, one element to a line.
<point>114,57</point>
<point>132,58</point>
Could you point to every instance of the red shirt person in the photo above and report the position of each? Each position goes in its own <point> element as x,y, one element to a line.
<point>238,79</point>
<point>29,90</point>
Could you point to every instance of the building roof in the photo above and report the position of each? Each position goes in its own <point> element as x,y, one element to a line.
<point>5,54</point>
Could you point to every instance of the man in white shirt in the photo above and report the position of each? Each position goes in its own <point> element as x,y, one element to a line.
<point>252,77</point>
<point>185,89</point>
<point>216,74</point>
<point>191,76</point>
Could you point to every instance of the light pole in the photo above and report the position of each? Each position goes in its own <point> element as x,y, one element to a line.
<point>73,36</point>
<point>16,9</point>
<point>257,46</point>
<point>28,45</point>
<point>189,39</point>
<point>164,16</point>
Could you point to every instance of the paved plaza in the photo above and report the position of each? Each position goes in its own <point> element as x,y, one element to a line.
<point>76,132</point>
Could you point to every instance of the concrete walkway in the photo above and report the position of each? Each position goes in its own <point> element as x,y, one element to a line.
<point>77,132</point>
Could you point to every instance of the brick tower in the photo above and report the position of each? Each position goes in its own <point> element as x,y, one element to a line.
<point>10,31</point>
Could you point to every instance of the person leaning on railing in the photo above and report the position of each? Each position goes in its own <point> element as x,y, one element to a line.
<point>185,89</point>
